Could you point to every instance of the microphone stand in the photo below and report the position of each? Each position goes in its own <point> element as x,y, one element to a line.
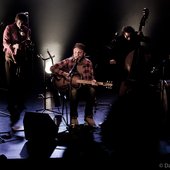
<point>44,96</point>
<point>63,98</point>
<point>51,57</point>
<point>71,72</point>
<point>163,84</point>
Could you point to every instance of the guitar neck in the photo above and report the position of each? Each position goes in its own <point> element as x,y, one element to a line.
<point>90,82</point>
<point>84,81</point>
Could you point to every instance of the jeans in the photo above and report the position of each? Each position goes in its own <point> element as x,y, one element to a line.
<point>75,95</point>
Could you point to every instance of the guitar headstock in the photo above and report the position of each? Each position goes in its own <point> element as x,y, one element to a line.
<point>108,84</point>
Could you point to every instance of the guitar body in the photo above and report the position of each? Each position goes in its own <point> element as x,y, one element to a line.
<point>60,83</point>
<point>74,80</point>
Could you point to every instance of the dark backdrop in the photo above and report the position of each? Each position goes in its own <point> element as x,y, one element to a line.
<point>98,23</point>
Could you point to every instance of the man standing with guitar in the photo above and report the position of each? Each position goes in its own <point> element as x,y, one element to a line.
<point>16,41</point>
<point>78,65</point>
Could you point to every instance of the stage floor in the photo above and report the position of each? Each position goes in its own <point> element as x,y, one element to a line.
<point>130,129</point>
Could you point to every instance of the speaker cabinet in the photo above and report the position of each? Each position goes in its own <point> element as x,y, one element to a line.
<point>39,126</point>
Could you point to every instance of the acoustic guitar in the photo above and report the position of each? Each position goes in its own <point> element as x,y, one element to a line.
<point>76,81</point>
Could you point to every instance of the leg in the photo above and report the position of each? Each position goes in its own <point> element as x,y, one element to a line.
<point>90,102</point>
<point>10,69</point>
<point>14,92</point>
<point>73,95</point>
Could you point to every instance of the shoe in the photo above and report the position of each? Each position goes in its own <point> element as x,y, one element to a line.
<point>17,128</point>
<point>74,122</point>
<point>90,122</point>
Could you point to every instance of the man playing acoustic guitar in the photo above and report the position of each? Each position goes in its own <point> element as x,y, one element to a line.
<point>65,71</point>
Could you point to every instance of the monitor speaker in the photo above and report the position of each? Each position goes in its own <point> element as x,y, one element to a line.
<point>39,126</point>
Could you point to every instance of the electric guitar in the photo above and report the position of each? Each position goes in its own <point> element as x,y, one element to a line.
<point>62,84</point>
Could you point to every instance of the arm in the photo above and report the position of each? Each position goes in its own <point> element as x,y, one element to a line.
<point>8,44</point>
<point>58,69</point>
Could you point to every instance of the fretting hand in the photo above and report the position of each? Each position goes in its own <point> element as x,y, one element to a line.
<point>112,61</point>
<point>67,76</point>
<point>94,82</point>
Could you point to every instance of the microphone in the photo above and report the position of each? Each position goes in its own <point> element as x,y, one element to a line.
<point>116,34</point>
<point>21,31</point>
<point>115,37</point>
<point>78,60</point>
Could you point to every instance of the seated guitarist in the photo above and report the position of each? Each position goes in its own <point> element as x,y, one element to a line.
<point>77,65</point>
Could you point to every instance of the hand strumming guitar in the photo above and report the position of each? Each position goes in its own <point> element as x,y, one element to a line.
<point>94,82</point>
<point>67,76</point>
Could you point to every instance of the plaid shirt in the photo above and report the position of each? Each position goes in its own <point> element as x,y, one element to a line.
<point>12,36</point>
<point>84,68</point>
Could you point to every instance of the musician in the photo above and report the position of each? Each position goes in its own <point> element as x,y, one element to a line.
<point>16,41</point>
<point>127,57</point>
<point>78,65</point>
<point>138,101</point>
